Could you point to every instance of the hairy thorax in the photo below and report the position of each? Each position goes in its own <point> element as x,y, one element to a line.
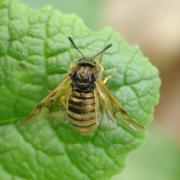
<point>83,79</point>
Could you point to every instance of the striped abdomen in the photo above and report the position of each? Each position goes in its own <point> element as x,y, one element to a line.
<point>82,111</point>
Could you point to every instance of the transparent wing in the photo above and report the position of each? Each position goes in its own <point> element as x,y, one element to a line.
<point>111,108</point>
<point>55,102</point>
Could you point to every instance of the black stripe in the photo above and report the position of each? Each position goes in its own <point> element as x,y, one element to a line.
<point>78,110</point>
<point>80,104</point>
<point>84,90</point>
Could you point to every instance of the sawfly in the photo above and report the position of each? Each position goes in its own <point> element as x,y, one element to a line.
<point>83,95</point>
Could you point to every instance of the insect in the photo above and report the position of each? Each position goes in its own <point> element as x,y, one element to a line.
<point>83,95</point>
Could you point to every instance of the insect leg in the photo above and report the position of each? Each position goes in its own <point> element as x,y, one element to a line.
<point>106,79</point>
<point>63,101</point>
<point>98,62</point>
<point>101,67</point>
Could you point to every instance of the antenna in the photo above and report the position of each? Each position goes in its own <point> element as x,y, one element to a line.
<point>107,47</point>
<point>74,45</point>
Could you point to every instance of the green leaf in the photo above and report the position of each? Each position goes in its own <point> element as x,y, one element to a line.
<point>34,57</point>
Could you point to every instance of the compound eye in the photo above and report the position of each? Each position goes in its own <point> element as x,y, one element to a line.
<point>92,78</point>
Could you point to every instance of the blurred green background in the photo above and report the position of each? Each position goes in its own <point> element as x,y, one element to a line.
<point>154,25</point>
<point>87,9</point>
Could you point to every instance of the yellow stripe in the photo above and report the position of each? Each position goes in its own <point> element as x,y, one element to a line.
<point>86,129</point>
<point>81,101</point>
<point>83,123</point>
<point>82,117</point>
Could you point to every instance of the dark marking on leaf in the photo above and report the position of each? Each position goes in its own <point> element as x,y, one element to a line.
<point>10,40</point>
<point>22,65</point>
